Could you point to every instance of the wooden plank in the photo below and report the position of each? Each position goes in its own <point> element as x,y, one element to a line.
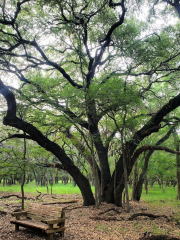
<point>18,213</point>
<point>53,221</point>
<point>31,214</point>
<point>36,217</point>
<point>54,230</point>
<point>39,216</point>
<point>30,223</point>
<point>43,211</point>
<point>43,207</point>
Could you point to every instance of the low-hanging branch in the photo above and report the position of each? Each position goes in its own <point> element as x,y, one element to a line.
<point>17,136</point>
<point>51,165</point>
<point>148,147</point>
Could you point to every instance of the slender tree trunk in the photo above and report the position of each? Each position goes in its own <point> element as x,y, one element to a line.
<point>146,184</point>
<point>138,189</point>
<point>134,181</point>
<point>23,178</point>
<point>125,155</point>
<point>176,141</point>
<point>22,190</point>
<point>95,174</point>
<point>178,173</point>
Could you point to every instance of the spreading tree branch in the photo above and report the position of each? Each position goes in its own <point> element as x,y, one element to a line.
<point>150,148</point>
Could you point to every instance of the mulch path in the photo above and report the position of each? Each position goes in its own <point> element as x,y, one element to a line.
<point>106,223</point>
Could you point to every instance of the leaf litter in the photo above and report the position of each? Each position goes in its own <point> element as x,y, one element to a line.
<point>106,223</point>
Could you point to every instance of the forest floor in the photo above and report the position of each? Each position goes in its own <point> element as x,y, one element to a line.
<point>106,223</point>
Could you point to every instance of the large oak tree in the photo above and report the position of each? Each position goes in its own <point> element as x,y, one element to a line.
<point>89,69</point>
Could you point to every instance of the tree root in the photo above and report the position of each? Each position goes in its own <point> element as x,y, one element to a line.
<point>14,195</point>
<point>72,201</point>
<point>106,218</point>
<point>150,215</point>
<point>111,209</point>
<point>158,237</point>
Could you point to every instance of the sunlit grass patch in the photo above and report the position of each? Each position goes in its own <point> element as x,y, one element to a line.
<point>156,196</point>
<point>32,187</point>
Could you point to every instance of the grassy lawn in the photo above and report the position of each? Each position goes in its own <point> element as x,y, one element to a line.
<point>31,188</point>
<point>155,195</point>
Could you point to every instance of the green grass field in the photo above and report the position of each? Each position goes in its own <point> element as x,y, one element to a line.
<point>31,188</point>
<point>155,195</point>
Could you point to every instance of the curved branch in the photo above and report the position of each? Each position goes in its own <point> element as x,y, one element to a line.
<point>117,24</point>
<point>151,148</point>
<point>11,102</point>
<point>17,136</point>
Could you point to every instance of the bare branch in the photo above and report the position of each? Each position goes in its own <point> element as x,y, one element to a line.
<point>17,136</point>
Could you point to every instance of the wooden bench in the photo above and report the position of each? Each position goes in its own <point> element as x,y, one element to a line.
<point>49,219</point>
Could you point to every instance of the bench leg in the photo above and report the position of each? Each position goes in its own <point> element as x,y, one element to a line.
<point>62,234</point>
<point>16,227</point>
<point>50,236</point>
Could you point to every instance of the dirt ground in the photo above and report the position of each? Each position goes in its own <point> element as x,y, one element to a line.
<point>83,223</point>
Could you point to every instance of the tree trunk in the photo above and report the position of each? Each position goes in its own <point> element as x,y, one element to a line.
<point>146,184</point>
<point>102,153</point>
<point>138,189</point>
<point>22,190</point>
<point>178,173</point>
<point>101,150</point>
<point>176,141</point>
<point>134,182</point>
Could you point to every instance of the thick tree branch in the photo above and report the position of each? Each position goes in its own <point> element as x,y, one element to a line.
<point>150,148</point>
<point>9,96</point>
<point>153,125</point>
